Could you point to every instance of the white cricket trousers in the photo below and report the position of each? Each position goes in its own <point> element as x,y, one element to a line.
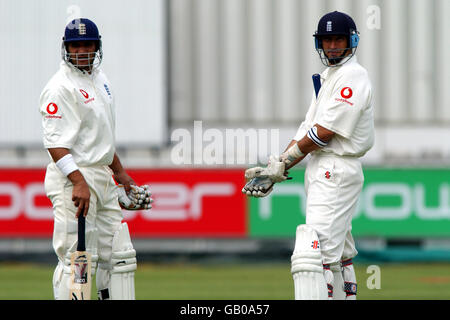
<point>104,216</point>
<point>333,185</point>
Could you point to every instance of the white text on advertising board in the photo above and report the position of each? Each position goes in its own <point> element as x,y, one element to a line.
<point>173,201</point>
<point>412,201</point>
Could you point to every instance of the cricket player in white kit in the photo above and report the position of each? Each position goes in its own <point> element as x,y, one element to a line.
<point>78,118</point>
<point>337,130</point>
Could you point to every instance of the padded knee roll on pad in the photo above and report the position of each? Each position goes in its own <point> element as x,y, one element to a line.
<point>307,268</point>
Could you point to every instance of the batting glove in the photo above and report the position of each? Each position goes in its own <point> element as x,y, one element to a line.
<point>258,187</point>
<point>275,170</point>
<point>261,180</point>
<point>138,198</point>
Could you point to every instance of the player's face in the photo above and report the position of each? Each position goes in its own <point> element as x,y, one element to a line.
<point>82,53</point>
<point>335,46</point>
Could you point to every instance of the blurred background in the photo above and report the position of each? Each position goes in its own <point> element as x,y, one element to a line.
<point>236,75</point>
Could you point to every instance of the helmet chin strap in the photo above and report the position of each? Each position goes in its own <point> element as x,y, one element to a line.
<point>336,61</point>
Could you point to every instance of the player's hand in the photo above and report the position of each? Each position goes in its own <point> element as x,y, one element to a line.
<point>261,180</point>
<point>275,170</point>
<point>258,187</point>
<point>124,179</point>
<point>141,196</point>
<point>138,198</point>
<point>80,194</point>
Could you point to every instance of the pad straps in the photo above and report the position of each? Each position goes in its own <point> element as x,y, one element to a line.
<point>348,273</point>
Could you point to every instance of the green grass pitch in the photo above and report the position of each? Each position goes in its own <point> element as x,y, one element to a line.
<point>234,281</point>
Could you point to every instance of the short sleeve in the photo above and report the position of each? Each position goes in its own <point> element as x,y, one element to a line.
<point>343,108</point>
<point>60,119</point>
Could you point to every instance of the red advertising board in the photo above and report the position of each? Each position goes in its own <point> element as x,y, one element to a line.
<point>188,203</point>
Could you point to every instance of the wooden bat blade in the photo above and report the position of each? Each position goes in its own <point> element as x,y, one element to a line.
<point>80,276</point>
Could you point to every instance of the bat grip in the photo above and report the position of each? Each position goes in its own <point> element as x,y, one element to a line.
<point>316,83</point>
<point>81,246</point>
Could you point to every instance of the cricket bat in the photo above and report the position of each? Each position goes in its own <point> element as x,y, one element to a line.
<point>80,266</point>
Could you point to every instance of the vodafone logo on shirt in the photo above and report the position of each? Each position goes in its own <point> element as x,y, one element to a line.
<point>346,93</point>
<point>84,93</point>
<point>86,96</point>
<point>52,109</point>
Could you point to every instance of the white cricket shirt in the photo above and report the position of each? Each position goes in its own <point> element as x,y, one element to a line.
<point>344,106</point>
<point>78,113</point>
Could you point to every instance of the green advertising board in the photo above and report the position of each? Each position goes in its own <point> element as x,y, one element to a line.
<point>394,202</point>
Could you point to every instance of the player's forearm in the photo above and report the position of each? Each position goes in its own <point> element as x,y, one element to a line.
<point>294,162</point>
<point>323,135</point>
<point>120,175</point>
<point>116,165</point>
<point>59,153</point>
<point>307,145</point>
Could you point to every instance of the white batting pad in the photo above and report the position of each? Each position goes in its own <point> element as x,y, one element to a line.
<point>123,265</point>
<point>61,280</point>
<point>307,268</point>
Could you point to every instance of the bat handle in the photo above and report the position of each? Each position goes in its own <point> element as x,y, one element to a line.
<point>316,83</point>
<point>81,246</point>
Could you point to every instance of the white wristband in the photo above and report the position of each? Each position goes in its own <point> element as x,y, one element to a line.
<point>295,152</point>
<point>67,165</point>
<point>292,154</point>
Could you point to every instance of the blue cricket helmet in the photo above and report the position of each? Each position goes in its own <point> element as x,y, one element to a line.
<point>336,23</point>
<point>82,29</point>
